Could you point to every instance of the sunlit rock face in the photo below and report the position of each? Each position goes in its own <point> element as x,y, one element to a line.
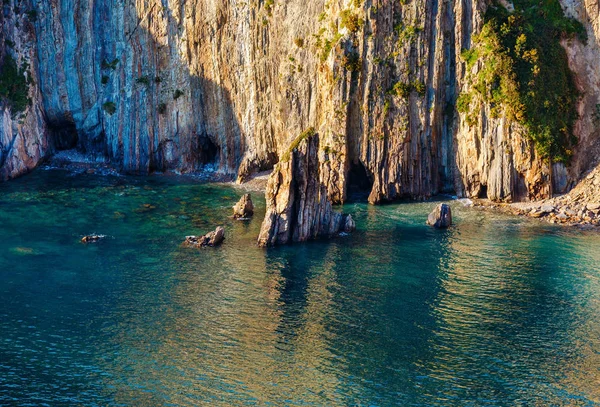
<point>174,85</point>
<point>298,206</point>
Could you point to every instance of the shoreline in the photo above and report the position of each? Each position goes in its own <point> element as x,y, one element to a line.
<point>580,207</point>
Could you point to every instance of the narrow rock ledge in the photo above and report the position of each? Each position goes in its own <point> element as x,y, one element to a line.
<point>298,208</point>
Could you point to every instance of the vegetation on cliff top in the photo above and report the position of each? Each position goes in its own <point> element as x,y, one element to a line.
<point>14,85</point>
<point>525,74</point>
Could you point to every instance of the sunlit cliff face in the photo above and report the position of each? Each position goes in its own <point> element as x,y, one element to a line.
<point>179,86</point>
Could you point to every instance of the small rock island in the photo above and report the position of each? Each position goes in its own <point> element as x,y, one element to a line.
<point>298,207</point>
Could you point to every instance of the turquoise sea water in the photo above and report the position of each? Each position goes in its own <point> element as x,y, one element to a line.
<point>495,311</point>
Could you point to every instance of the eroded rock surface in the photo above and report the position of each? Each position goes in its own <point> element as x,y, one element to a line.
<point>211,239</point>
<point>581,206</point>
<point>298,206</point>
<point>179,85</point>
<point>441,217</point>
<point>244,209</point>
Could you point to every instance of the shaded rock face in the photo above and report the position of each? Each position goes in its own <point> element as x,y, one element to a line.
<point>298,206</point>
<point>24,137</point>
<point>244,209</point>
<point>211,239</point>
<point>441,217</point>
<point>179,85</point>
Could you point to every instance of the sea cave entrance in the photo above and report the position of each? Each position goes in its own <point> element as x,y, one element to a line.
<point>63,134</point>
<point>208,151</point>
<point>483,192</point>
<point>359,183</point>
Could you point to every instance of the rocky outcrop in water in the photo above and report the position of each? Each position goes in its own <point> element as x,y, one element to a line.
<point>244,209</point>
<point>92,238</point>
<point>441,217</point>
<point>211,239</point>
<point>298,206</point>
<point>181,85</point>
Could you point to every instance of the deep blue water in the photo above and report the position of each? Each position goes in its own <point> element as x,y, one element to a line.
<point>495,311</point>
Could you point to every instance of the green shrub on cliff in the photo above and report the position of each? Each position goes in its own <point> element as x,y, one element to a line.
<point>525,73</point>
<point>109,107</point>
<point>403,90</point>
<point>296,143</point>
<point>352,62</point>
<point>269,4</point>
<point>177,94</point>
<point>14,86</point>
<point>110,65</point>
<point>351,21</point>
<point>143,80</point>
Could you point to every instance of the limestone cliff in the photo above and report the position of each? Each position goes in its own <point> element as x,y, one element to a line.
<point>24,137</point>
<point>177,85</point>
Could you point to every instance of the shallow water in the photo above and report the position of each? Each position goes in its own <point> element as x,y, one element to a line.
<point>495,311</point>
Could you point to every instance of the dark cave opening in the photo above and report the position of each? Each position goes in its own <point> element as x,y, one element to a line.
<point>63,134</point>
<point>359,183</point>
<point>483,192</point>
<point>208,151</point>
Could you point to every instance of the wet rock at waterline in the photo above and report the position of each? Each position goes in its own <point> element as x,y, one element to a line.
<point>298,205</point>
<point>441,217</point>
<point>349,224</point>
<point>211,239</point>
<point>92,238</point>
<point>244,209</point>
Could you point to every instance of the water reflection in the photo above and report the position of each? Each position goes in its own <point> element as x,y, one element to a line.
<point>497,310</point>
<point>500,306</point>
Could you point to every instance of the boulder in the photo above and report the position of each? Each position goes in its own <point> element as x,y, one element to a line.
<point>211,239</point>
<point>244,209</point>
<point>593,206</point>
<point>441,217</point>
<point>349,224</point>
<point>547,208</point>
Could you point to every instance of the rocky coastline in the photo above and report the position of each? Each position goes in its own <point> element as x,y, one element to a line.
<point>579,207</point>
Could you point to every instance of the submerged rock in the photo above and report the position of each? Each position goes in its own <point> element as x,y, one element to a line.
<point>298,206</point>
<point>244,209</point>
<point>441,217</point>
<point>211,239</point>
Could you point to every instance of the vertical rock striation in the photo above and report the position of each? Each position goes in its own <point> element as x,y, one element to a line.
<point>298,206</point>
<point>24,137</point>
<point>180,85</point>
